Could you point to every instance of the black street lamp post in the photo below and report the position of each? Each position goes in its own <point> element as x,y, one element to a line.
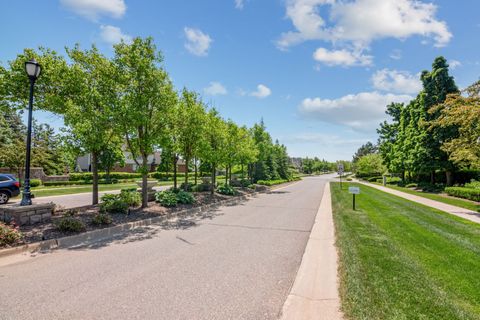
<point>33,69</point>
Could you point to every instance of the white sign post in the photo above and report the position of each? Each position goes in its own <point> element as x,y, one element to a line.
<point>354,191</point>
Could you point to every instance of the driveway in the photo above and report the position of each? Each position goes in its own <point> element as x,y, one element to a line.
<point>235,262</point>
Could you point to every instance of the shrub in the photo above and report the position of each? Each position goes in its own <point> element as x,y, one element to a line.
<point>466,193</point>
<point>202,187</point>
<point>185,197</point>
<point>251,186</point>
<point>9,234</point>
<point>394,180</point>
<point>131,197</point>
<point>88,176</point>
<point>165,175</point>
<point>35,182</point>
<point>113,203</point>
<point>166,198</point>
<point>189,187</point>
<point>411,185</point>
<point>64,183</point>
<point>226,189</point>
<point>375,178</point>
<point>428,187</point>
<point>473,184</point>
<point>70,224</point>
<point>349,179</point>
<point>271,182</point>
<point>102,219</point>
<point>242,183</point>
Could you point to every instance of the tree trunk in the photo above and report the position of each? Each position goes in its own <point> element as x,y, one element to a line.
<point>432,177</point>
<point>144,181</point>
<point>175,160</point>
<point>403,176</point>
<point>243,173</point>
<point>187,161</point>
<point>94,166</point>
<point>196,170</point>
<point>212,187</point>
<point>226,175</point>
<point>449,176</point>
<point>230,176</point>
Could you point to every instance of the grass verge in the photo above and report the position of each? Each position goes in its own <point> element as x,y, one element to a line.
<point>403,260</point>
<point>64,190</point>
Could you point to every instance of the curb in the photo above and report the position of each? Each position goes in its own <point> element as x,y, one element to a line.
<point>315,293</point>
<point>109,232</point>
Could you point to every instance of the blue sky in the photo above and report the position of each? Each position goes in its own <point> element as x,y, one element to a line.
<point>319,72</point>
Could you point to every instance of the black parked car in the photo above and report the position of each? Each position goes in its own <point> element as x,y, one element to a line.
<point>9,187</point>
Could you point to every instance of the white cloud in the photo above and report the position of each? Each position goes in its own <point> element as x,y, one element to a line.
<point>93,9</point>
<point>262,91</point>
<point>396,81</point>
<point>341,58</point>
<point>239,4</point>
<point>113,35</point>
<point>323,139</point>
<point>396,54</point>
<point>362,111</point>
<point>362,21</point>
<point>454,64</point>
<point>215,88</point>
<point>198,42</point>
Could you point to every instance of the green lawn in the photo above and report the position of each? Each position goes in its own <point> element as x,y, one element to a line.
<point>63,190</point>
<point>470,205</point>
<point>403,260</point>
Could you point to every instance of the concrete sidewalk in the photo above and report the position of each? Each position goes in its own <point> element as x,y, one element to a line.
<point>314,294</point>
<point>457,211</point>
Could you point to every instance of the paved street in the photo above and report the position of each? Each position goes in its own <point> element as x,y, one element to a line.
<point>237,262</point>
<point>76,200</point>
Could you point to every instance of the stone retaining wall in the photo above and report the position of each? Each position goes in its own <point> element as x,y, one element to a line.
<point>27,215</point>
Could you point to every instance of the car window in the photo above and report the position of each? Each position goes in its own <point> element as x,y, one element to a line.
<point>4,178</point>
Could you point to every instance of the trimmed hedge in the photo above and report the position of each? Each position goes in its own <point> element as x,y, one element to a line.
<point>85,182</point>
<point>466,193</point>
<point>35,182</point>
<point>270,183</point>
<point>103,175</point>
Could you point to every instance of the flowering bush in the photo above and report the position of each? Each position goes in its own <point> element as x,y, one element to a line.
<point>9,234</point>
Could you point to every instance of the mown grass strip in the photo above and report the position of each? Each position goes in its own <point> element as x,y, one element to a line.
<point>403,260</point>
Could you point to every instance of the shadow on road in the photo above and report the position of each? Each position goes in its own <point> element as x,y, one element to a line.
<point>180,222</point>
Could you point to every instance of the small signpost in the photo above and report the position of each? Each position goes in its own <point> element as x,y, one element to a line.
<point>354,191</point>
<point>340,173</point>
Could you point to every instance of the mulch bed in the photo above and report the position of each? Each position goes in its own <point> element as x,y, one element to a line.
<point>47,231</point>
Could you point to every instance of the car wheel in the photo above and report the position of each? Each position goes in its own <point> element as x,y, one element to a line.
<point>4,197</point>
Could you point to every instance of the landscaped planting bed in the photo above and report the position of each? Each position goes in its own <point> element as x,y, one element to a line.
<point>402,260</point>
<point>64,222</point>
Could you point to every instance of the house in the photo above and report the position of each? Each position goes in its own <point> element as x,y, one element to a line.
<point>84,163</point>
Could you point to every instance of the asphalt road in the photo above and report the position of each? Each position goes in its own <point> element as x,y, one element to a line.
<point>76,200</point>
<point>236,262</point>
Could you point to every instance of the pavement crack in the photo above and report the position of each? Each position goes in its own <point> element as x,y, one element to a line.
<point>184,240</point>
<point>256,228</point>
<point>313,299</point>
